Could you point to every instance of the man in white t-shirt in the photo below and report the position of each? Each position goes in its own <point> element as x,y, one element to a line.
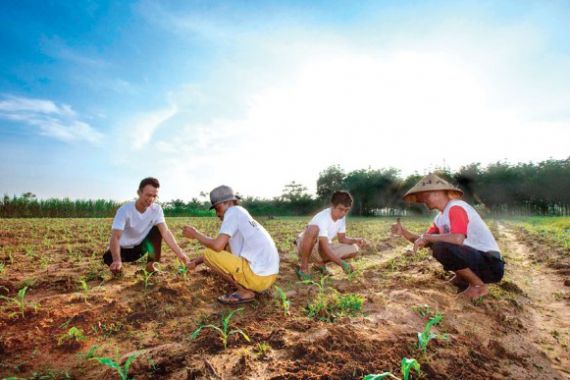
<point>253,264</point>
<point>138,229</point>
<point>315,243</point>
<point>459,239</point>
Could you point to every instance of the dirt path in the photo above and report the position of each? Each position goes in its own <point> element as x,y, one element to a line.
<point>548,325</point>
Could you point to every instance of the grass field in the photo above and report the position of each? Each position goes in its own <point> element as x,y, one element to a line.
<point>62,315</point>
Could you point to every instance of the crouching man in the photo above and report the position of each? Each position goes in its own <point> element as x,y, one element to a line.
<point>458,238</point>
<point>138,229</point>
<point>253,263</point>
<point>315,243</point>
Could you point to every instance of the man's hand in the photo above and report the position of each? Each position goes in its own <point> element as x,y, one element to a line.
<point>361,243</point>
<point>189,232</point>
<point>116,266</point>
<point>420,243</point>
<point>397,229</point>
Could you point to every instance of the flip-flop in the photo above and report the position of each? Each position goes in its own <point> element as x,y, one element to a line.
<point>302,275</point>
<point>225,299</point>
<point>322,269</point>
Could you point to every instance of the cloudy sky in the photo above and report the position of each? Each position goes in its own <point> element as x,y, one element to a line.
<point>95,95</point>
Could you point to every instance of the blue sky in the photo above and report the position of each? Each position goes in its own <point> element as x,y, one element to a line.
<point>96,95</point>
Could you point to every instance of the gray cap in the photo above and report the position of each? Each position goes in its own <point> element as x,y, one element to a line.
<point>221,194</point>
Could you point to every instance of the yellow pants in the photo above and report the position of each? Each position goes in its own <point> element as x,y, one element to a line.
<point>238,269</point>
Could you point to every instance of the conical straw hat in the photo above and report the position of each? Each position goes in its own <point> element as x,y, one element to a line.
<point>432,182</point>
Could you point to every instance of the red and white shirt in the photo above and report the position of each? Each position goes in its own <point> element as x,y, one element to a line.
<point>460,218</point>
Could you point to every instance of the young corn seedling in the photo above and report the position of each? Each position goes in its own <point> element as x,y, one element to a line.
<point>122,371</point>
<point>285,303</point>
<point>181,269</point>
<point>19,300</point>
<point>84,288</point>
<point>73,335</point>
<point>406,367</point>
<point>426,336</point>
<point>146,278</point>
<point>224,331</point>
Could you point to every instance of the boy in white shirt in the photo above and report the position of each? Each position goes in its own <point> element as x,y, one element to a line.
<point>253,263</point>
<point>138,228</point>
<point>315,244</point>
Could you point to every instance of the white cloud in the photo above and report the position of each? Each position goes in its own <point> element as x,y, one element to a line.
<point>58,121</point>
<point>142,127</point>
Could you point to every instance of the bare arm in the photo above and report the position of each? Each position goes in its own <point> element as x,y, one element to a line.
<point>398,229</point>
<point>343,239</point>
<point>217,244</point>
<point>171,242</point>
<point>115,247</point>
<point>325,248</point>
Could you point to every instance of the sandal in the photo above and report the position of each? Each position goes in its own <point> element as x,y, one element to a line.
<point>234,299</point>
<point>302,275</point>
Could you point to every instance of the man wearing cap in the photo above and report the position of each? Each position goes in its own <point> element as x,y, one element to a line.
<point>458,238</point>
<point>253,264</point>
<point>315,243</point>
<point>138,229</point>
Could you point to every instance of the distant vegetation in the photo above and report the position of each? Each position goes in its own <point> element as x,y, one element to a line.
<point>503,189</point>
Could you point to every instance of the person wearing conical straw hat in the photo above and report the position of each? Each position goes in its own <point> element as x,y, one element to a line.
<point>459,239</point>
<point>253,263</point>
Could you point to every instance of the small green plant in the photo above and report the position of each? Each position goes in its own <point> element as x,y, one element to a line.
<point>19,300</point>
<point>73,335</point>
<point>2,268</point>
<point>146,278</point>
<point>426,336</point>
<point>423,310</point>
<point>262,349</point>
<point>284,302</point>
<point>90,354</point>
<point>406,367</point>
<point>350,304</point>
<point>123,370</point>
<point>224,331</point>
<point>84,287</point>
<point>181,269</point>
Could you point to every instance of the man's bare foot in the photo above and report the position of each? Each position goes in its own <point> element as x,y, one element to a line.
<point>458,282</point>
<point>152,267</point>
<point>475,291</point>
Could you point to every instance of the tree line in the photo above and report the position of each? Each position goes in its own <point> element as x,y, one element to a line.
<point>501,188</point>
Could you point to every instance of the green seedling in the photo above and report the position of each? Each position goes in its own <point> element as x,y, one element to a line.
<point>19,300</point>
<point>426,336</point>
<point>321,285</point>
<point>350,304</point>
<point>262,349</point>
<point>224,331</point>
<point>91,353</point>
<point>84,288</point>
<point>406,367</point>
<point>73,335</point>
<point>181,269</point>
<point>423,310</point>
<point>123,371</point>
<point>146,278</point>
<point>285,303</point>
<point>2,268</point>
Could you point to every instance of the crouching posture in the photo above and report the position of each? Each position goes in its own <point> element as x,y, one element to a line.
<point>138,229</point>
<point>458,238</point>
<point>315,244</point>
<point>253,264</point>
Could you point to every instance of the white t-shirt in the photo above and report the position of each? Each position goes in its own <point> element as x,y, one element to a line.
<point>136,226</point>
<point>327,226</point>
<point>478,235</point>
<point>248,239</point>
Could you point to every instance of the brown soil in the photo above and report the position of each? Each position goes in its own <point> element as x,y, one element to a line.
<point>521,330</point>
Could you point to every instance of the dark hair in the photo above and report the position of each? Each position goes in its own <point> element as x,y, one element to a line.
<point>149,181</point>
<point>341,197</point>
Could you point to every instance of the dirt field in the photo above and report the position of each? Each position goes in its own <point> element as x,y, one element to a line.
<point>520,331</point>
